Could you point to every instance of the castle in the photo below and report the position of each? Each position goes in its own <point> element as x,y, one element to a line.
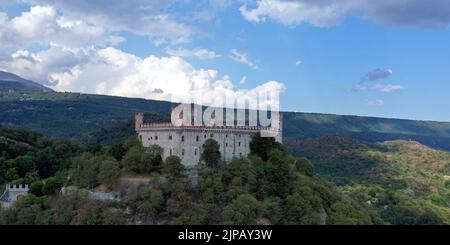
<point>186,141</point>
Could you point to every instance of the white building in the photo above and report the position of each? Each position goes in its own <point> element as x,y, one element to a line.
<point>12,194</point>
<point>187,141</point>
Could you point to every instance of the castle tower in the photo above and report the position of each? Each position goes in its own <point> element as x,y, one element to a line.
<point>139,120</point>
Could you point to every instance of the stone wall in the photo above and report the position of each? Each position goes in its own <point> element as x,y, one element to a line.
<point>188,144</point>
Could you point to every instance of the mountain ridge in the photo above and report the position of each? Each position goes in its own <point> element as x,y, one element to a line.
<point>13,81</point>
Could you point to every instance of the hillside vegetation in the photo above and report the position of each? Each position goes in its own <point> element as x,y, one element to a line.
<point>278,190</point>
<point>414,178</point>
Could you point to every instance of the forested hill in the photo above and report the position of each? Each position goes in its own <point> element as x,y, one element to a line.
<point>74,115</point>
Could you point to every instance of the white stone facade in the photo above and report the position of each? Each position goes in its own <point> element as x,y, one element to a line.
<point>12,193</point>
<point>187,141</point>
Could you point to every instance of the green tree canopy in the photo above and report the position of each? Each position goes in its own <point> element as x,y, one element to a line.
<point>173,166</point>
<point>262,146</point>
<point>244,210</point>
<point>211,153</point>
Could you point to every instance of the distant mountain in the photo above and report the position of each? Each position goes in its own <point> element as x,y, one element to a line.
<point>12,81</point>
<point>73,115</point>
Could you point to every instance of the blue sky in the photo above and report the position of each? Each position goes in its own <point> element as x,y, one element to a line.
<point>361,58</point>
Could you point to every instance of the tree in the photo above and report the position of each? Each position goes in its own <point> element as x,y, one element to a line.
<point>109,172</point>
<point>345,214</point>
<point>131,142</point>
<point>139,159</point>
<point>132,159</point>
<point>32,176</point>
<point>271,209</point>
<point>304,166</point>
<point>278,174</point>
<point>244,210</point>
<point>154,155</point>
<point>151,203</point>
<point>51,186</point>
<point>36,188</point>
<point>12,174</point>
<point>211,153</point>
<point>173,166</point>
<point>262,146</point>
<point>117,151</point>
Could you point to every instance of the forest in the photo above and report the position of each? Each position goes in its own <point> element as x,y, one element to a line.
<point>270,186</point>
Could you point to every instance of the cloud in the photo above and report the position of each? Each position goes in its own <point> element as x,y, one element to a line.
<point>150,18</point>
<point>388,88</point>
<point>243,80</point>
<point>36,66</point>
<point>242,58</point>
<point>298,62</point>
<point>325,13</point>
<point>114,72</point>
<point>197,52</point>
<point>43,25</point>
<point>296,12</point>
<point>375,102</point>
<point>376,75</point>
<point>159,41</point>
<point>158,91</point>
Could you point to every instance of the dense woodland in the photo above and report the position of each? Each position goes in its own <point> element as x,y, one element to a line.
<point>268,187</point>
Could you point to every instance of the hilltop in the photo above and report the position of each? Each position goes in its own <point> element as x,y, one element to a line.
<point>12,81</point>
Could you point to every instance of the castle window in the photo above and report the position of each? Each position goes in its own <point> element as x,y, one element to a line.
<point>205,136</point>
<point>226,136</point>
<point>156,137</point>
<point>151,137</point>
<point>182,138</point>
<point>226,145</point>
<point>198,138</point>
<point>170,152</point>
<point>239,144</point>
<point>195,151</point>
<point>182,152</point>
<point>170,137</point>
<point>140,137</point>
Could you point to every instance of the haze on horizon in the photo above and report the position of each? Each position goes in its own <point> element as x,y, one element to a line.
<point>370,58</point>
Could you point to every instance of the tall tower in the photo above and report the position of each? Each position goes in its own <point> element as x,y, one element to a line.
<point>139,120</point>
<point>279,137</point>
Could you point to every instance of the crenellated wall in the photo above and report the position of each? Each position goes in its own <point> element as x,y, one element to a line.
<point>12,193</point>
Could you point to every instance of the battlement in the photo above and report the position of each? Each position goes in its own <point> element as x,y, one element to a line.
<point>162,126</point>
<point>11,187</point>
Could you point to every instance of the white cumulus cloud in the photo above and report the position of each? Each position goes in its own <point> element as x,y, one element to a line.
<point>114,72</point>
<point>325,13</point>
<point>242,58</point>
<point>197,52</point>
